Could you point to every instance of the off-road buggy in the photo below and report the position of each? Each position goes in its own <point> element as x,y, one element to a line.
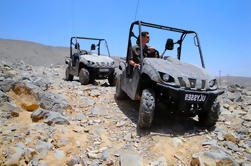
<point>187,88</point>
<point>89,65</point>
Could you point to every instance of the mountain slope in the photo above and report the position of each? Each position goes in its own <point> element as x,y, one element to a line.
<point>31,53</point>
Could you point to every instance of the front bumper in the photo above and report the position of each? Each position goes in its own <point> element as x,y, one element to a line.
<point>179,97</point>
<point>101,72</point>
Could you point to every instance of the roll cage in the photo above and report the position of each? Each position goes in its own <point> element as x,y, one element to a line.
<point>87,38</point>
<point>182,37</point>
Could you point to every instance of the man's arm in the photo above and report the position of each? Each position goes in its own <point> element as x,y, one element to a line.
<point>131,62</point>
<point>132,54</point>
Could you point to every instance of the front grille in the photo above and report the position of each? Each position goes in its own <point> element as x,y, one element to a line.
<point>182,82</point>
<point>192,82</point>
<point>203,85</point>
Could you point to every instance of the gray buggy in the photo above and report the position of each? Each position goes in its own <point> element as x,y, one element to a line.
<point>89,65</point>
<point>188,89</point>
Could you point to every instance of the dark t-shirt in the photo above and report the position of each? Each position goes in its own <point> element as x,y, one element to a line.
<point>135,53</point>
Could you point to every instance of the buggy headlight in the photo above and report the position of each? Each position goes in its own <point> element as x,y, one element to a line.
<point>165,77</point>
<point>212,83</point>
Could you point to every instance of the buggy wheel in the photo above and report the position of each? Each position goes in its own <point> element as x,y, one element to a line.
<point>146,108</point>
<point>68,76</point>
<point>120,94</point>
<point>210,115</point>
<point>112,79</point>
<point>84,76</point>
<point>91,79</point>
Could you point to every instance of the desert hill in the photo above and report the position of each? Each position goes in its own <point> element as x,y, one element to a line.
<point>32,53</point>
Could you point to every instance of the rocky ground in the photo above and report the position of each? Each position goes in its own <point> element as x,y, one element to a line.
<point>46,120</point>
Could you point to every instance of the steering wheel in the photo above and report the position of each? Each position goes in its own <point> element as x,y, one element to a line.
<point>153,54</point>
<point>83,52</point>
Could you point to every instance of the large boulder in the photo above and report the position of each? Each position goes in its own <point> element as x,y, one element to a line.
<point>27,88</point>
<point>38,114</point>
<point>56,118</point>
<point>51,118</point>
<point>4,97</point>
<point>51,101</point>
<point>27,95</point>
<point>7,110</point>
<point>41,82</point>
<point>33,96</point>
<point>7,84</point>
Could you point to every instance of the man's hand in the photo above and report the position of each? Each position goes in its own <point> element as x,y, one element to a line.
<point>131,62</point>
<point>151,49</point>
<point>137,66</point>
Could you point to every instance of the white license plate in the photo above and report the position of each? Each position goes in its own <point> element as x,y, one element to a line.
<point>195,97</point>
<point>103,70</point>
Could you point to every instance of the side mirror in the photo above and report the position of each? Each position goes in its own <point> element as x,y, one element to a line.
<point>93,47</point>
<point>169,44</point>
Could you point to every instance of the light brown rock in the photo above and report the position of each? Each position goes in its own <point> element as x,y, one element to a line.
<point>30,107</point>
<point>230,137</point>
<point>195,160</point>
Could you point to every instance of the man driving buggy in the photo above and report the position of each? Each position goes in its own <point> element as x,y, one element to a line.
<point>75,56</point>
<point>148,51</point>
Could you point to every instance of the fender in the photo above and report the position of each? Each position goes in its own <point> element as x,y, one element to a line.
<point>151,72</point>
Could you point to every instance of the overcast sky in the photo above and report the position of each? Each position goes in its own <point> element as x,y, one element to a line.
<point>223,25</point>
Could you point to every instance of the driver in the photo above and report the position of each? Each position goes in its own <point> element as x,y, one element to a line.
<point>76,54</point>
<point>148,51</point>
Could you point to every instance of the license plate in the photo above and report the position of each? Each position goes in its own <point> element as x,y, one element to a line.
<point>195,97</point>
<point>104,70</point>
